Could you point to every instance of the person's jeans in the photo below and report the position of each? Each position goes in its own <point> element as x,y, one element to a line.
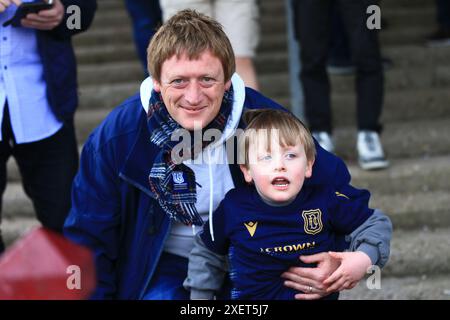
<point>167,281</point>
<point>339,48</point>
<point>47,168</point>
<point>312,24</point>
<point>146,16</point>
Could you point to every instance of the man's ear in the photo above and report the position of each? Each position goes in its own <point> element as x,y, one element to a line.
<point>227,85</point>
<point>156,85</point>
<point>246,172</point>
<point>309,166</point>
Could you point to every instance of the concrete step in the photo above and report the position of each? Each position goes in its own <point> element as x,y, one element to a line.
<point>106,96</point>
<point>413,139</point>
<point>399,106</point>
<point>405,176</point>
<point>131,70</point>
<point>413,210</point>
<point>402,78</point>
<point>107,53</point>
<point>419,252</point>
<point>406,35</point>
<point>433,287</point>
<point>417,55</point>
<point>423,15</point>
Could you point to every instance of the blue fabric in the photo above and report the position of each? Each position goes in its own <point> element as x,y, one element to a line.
<point>146,17</point>
<point>58,59</point>
<point>167,281</point>
<point>114,211</point>
<point>280,235</point>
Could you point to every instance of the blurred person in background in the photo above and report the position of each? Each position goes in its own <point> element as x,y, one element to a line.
<point>312,25</point>
<point>38,98</point>
<point>239,19</point>
<point>441,37</point>
<point>146,17</point>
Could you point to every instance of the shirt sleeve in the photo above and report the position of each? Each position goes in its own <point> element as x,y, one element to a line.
<point>348,213</point>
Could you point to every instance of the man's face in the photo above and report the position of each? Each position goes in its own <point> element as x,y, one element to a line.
<point>192,90</point>
<point>278,174</point>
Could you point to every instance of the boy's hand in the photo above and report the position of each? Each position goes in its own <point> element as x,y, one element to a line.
<point>45,19</point>
<point>6,3</point>
<point>352,269</point>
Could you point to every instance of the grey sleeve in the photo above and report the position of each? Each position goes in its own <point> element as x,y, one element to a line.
<point>206,271</point>
<point>373,237</point>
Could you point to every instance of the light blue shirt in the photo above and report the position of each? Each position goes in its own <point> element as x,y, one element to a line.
<point>22,84</point>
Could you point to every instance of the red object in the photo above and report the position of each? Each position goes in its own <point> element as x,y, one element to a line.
<point>46,266</point>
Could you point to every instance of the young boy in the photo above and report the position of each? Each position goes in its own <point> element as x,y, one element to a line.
<point>265,226</point>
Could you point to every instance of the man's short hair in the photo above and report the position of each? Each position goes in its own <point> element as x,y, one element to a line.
<point>192,33</point>
<point>265,123</point>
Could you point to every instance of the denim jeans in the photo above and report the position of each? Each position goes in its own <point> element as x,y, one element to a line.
<point>47,168</point>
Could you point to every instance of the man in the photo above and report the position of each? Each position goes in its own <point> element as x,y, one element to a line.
<point>136,206</point>
<point>38,97</point>
<point>312,20</point>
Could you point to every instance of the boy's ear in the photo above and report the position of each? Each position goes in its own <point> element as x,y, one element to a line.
<point>246,172</point>
<point>309,166</point>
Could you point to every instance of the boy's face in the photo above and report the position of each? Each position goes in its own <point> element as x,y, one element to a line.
<point>278,174</point>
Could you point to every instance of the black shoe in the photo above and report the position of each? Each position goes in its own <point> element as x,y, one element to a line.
<point>440,38</point>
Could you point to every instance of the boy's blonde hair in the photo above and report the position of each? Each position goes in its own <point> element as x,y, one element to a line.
<point>192,33</point>
<point>291,131</point>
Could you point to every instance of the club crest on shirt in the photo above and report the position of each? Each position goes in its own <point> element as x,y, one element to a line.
<point>312,221</point>
<point>251,227</point>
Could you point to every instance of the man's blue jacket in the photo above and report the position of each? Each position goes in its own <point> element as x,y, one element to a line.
<point>114,211</point>
<point>58,59</point>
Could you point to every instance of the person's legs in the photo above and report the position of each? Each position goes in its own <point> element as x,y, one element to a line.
<point>366,56</point>
<point>339,59</point>
<point>312,30</point>
<point>171,7</point>
<point>146,16</point>
<point>48,167</point>
<point>240,20</point>
<point>5,152</point>
<point>367,59</point>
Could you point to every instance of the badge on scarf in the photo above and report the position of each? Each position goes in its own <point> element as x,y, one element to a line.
<point>178,180</point>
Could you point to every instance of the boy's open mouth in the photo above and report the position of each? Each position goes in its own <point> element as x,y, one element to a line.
<point>280,182</point>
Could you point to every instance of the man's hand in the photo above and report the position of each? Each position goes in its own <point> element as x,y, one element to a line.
<point>311,280</point>
<point>45,19</point>
<point>6,3</point>
<point>352,269</point>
